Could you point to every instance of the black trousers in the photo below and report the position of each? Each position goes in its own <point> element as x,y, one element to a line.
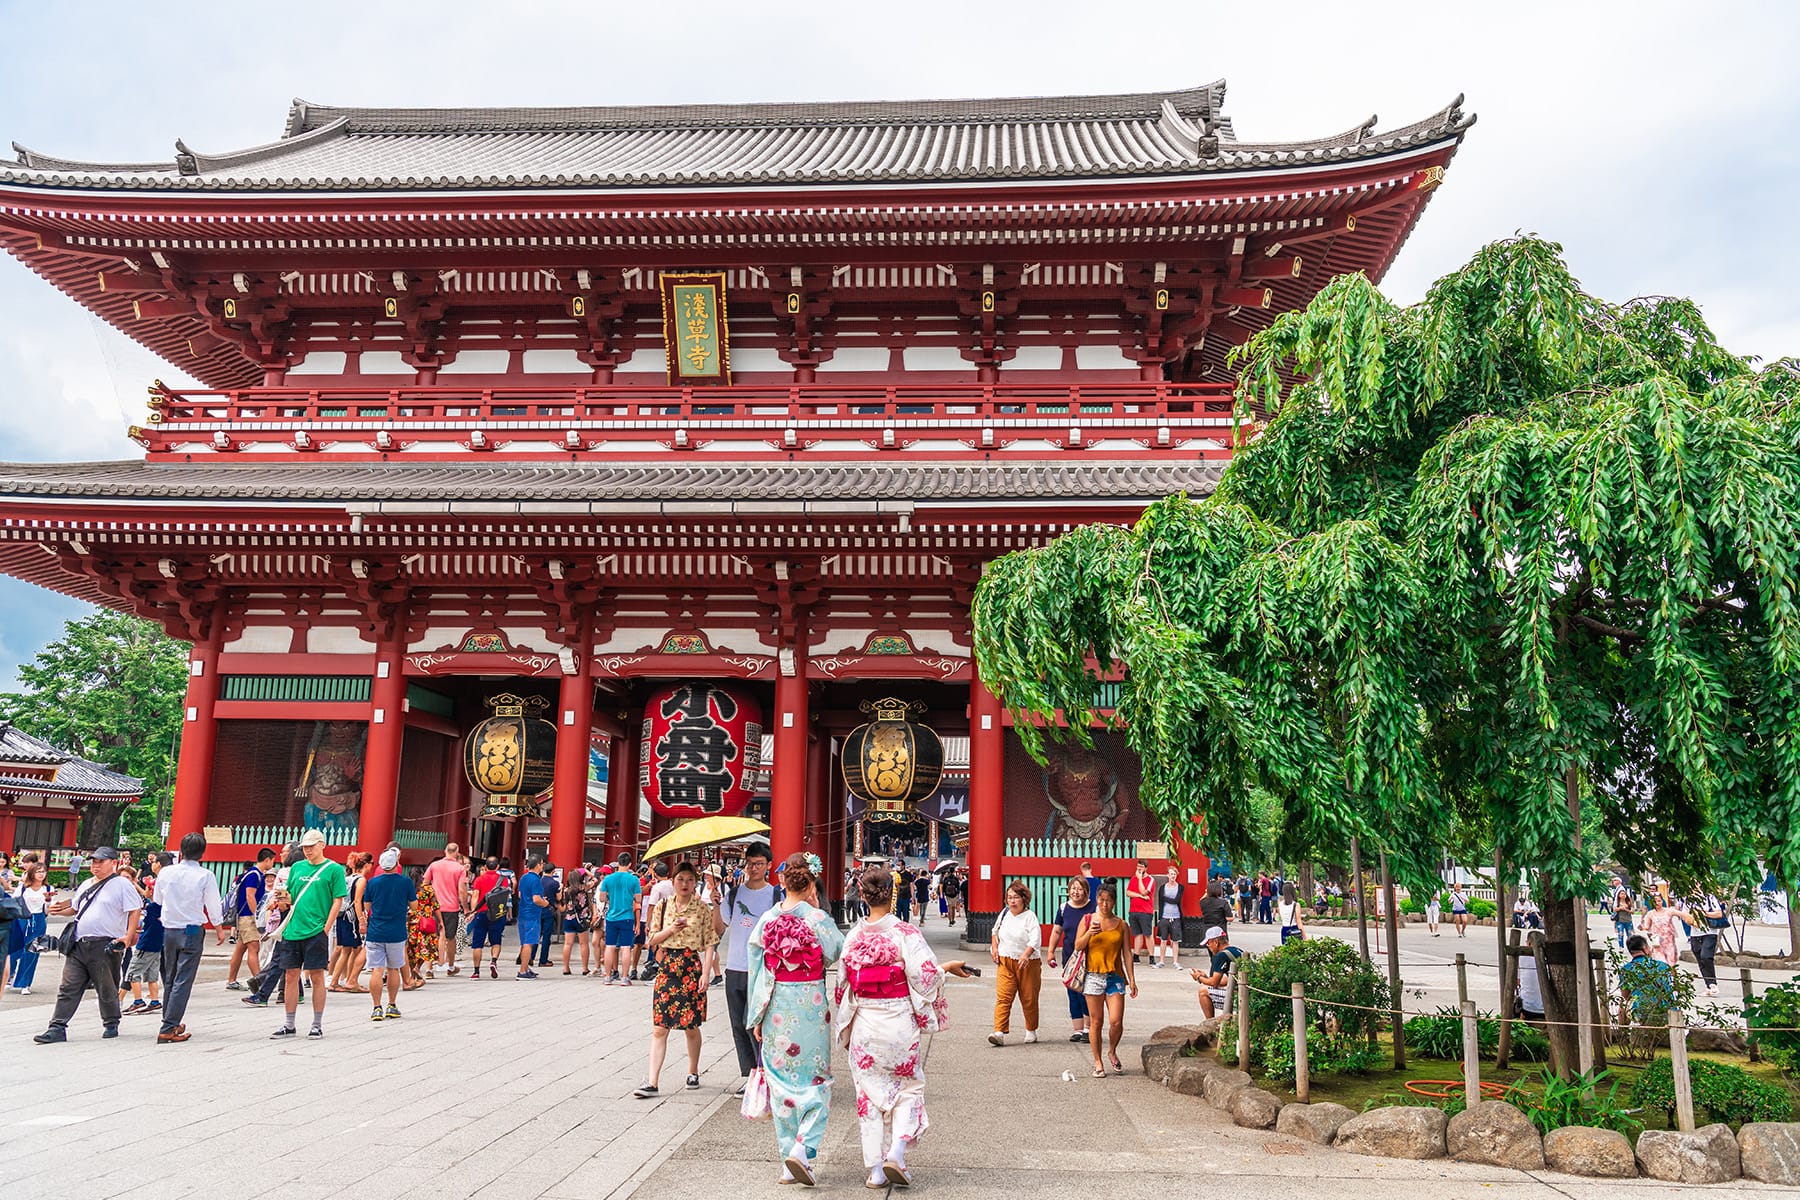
<point>180,963</point>
<point>737,999</point>
<point>1706,949</point>
<point>93,963</point>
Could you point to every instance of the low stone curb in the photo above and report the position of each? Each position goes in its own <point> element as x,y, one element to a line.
<point>1493,1132</point>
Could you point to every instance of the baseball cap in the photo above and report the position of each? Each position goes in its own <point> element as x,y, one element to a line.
<point>312,837</point>
<point>104,852</point>
<point>390,858</point>
<point>1215,931</point>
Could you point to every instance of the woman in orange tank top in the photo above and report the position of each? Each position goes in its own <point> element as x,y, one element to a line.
<point>1110,975</point>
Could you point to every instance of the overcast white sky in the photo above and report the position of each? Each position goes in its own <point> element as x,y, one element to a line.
<point>1656,141</point>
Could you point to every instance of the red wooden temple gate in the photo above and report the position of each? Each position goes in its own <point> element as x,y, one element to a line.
<point>440,451</point>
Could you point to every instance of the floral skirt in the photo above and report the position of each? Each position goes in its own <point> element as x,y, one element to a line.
<point>680,1000</point>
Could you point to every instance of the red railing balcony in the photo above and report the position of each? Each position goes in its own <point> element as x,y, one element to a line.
<point>812,421</point>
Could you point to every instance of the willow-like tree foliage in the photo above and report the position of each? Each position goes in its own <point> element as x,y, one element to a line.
<point>1505,539</point>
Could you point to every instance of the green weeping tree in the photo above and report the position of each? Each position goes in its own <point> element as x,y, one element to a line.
<point>1505,560</point>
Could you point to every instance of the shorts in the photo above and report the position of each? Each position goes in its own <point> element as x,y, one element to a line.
<point>619,933</point>
<point>1168,928</point>
<point>449,921</point>
<point>144,967</point>
<point>1217,995</point>
<point>1142,924</point>
<point>574,925</point>
<point>306,954</point>
<point>531,932</point>
<point>390,955</point>
<point>247,930</point>
<point>1111,983</point>
<point>1291,931</point>
<point>484,931</point>
<point>348,936</point>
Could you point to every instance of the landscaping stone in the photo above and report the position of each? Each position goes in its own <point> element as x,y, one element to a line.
<point>1717,1041</point>
<point>1188,1076</point>
<point>1770,1151</point>
<point>1585,1150</point>
<point>1401,1131</point>
<point>1313,1122</point>
<point>1708,1155</point>
<point>1159,1059</point>
<point>1176,1033</point>
<point>1254,1108</point>
<point>1220,1085</point>
<point>1495,1133</point>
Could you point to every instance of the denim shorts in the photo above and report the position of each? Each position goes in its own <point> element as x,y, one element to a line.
<point>620,933</point>
<point>1110,984</point>
<point>485,932</point>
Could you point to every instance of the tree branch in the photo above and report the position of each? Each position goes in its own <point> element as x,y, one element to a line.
<point>1612,631</point>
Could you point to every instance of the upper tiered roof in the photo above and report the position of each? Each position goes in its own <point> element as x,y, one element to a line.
<point>23,759</point>
<point>1146,134</point>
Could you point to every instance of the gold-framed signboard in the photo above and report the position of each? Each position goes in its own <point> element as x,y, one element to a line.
<point>695,329</point>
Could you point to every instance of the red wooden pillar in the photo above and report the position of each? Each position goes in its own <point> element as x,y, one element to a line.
<point>574,729</point>
<point>1193,865</point>
<point>986,751</point>
<point>9,830</point>
<point>453,795</point>
<point>623,797</point>
<point>199,739</point>
<point>836,813</point>
<point>817,838</point>
<point>387,734</point>
<point>787,790</point>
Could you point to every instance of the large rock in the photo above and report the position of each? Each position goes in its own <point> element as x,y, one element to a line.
<point>1188,1076</point>
<point>1315,1122</point>
<point>1159,1059</point>
<point>1176,1033</point>
<point>1771,1152</point>
<point>1585,1150</point>
<point>1254,1108</point>
<point>1221,1084</point>
<point>1402,1131</point>
<point>1495,1133</point>
<point>1707,1155</point>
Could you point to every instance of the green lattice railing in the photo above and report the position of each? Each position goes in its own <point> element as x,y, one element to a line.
<point>304,688</point>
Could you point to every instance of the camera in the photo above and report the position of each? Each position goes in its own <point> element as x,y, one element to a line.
<point>42,944</point>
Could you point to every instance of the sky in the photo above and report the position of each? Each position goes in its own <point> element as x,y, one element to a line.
<point>1653,140</point>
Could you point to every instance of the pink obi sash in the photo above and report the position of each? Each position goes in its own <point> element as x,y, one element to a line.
<point>800,974</point>
<point>882,981</point>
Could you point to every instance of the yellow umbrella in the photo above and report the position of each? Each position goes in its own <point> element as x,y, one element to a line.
<point>704,831</point>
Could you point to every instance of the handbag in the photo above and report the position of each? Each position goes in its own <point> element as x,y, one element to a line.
<point>1075,970</point>
<point>755,1106</point>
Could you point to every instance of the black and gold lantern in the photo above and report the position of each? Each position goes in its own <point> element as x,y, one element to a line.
<point>511,756</point>
<point>892,762</point>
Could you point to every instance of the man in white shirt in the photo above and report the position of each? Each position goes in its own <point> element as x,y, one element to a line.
<point>189,895</point>
<point>746,902</point>
<point>106,910</point>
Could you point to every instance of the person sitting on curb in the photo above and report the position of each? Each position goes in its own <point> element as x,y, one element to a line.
<point>1216,978</point>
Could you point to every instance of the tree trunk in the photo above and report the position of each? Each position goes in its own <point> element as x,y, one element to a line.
<point>1558,980</point>
<point>1306,883</point>
<point>1793,909</point>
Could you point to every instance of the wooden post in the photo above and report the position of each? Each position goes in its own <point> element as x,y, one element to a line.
<point>1243,1021</point>
<point>1509,977</point>
<point>1744,979</point>
<point>1678,1061</point>
<point>1584,968</point>
<point>1302,1082</point>
<point>1501,907</point>
<point>1471,1055</point>
<point>1231,986</point>
<point>1356,888</point>
<point>1597,959</point>
<point>1537,954</point>
<point>1462,981</point>
<point>1393,962</point>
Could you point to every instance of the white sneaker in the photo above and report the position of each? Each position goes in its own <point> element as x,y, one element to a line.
<point>996,1039</point>
<point>27,991</point>
<point>1030,1036</point>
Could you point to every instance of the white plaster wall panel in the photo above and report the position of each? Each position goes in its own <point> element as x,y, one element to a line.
<point>528,638</point>
<point>554,362</point>
<point>478,362</point>
<point>336,639</point>
<point>1034,358</point>
<point>936,358</point>
<point>320,362</point>
<point>261,639</point>
<point>1102,358</point>
<point>384,362</point>
<point>855,359</point>
<point>649,360</point>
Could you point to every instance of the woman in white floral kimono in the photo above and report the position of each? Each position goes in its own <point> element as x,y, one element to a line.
<point>890,996</point>
<point>787,1013</point>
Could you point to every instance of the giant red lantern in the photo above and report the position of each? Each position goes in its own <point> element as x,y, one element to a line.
<point>701,746</point>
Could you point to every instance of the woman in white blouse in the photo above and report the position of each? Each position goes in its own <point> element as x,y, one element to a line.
<point>1019,968</point>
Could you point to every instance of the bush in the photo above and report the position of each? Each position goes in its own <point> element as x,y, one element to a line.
<point>1340,987</point>
<point>1583,1100</point>
<point>1771,1018</point>
<point>1412,904</point>
<point>1528,1045</point>
<point>1721,1093</point>
<point>1440,1034</point>
<point>1481,909</point>
<point>1326,1054</point>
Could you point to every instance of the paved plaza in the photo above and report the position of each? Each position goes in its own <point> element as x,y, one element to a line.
<point>504,1089</point>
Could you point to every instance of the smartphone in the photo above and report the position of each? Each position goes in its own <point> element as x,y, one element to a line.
<point>975,971</point>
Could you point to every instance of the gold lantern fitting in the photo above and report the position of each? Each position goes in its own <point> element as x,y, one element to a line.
<point>511,756</point>
<point>892,762</point>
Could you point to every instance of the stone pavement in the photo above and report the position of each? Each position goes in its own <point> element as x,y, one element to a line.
<point>501,1088</point>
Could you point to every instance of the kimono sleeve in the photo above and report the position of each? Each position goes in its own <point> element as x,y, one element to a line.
<point>925,983</point>
<point>761,990</point>
<point>831,938</point>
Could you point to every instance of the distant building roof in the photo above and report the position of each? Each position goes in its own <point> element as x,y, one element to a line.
<point>326,148</point>
<point>74,778</point>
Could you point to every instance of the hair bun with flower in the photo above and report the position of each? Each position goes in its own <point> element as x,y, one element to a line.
<point>814,865</point>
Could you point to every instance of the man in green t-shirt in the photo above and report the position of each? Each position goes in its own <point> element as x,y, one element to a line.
<point>315,889</point>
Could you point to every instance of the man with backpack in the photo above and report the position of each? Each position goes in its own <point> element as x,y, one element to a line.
<point>493,898</point>
<point>246,902</point>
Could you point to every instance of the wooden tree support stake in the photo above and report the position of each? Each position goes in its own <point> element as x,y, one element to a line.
<point>1302,1081</point>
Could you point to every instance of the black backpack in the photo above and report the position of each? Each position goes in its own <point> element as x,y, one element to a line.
<point>498,902</point>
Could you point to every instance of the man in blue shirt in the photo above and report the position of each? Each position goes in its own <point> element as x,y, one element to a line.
<point>621,889</point>
<point>550,923</point>
<point>533,902</point>
<point>247,898</point>
<point>387,899</point>
<point>1649,981</point>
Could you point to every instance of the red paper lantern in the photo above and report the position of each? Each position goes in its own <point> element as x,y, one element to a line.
<point>701,746</point>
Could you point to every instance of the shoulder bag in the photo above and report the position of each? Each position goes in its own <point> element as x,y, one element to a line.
<point>1075,970</point>
<point>274,935</point>
<point>65,941</point>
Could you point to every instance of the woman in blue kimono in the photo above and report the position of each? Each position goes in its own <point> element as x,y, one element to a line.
<point>789,1015</point>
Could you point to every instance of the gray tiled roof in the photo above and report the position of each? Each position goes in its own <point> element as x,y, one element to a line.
<point>345,149</point>
<point>74,776</point>
<point>608,485</point>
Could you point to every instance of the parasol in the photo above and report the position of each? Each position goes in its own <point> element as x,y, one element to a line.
<point>873,858</point>
<point>944,865</point>
<point>704,831</point>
